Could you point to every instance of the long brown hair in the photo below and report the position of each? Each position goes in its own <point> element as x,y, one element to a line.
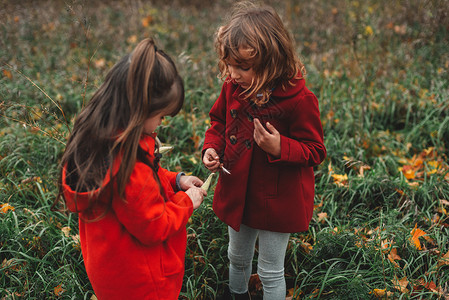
<point>140,85</point>
<point>272,56</point>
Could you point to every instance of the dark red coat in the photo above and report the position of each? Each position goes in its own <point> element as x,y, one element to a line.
<point>137,250</point>
<point>263,192</point>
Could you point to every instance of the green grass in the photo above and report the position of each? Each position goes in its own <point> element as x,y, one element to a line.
<point>380,71</point>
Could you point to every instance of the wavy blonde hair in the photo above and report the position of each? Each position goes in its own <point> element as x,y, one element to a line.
<point>260,30</point>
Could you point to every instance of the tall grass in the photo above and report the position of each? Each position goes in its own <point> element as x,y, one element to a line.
<point>380,71</point>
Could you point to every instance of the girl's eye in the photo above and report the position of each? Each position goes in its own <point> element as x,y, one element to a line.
<point>245,69</point>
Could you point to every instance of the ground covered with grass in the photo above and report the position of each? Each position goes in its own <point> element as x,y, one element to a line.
<point>381,72</point>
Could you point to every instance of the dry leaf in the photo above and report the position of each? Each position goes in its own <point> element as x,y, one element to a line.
<point>322,217</point>
<point>4,208</point>
<point>147,21</point>
<point>393,257</point>
<point>444,260</point>
<point>59,290</point>
<point>415,234</point>
<point>401,284</point>
<point>382,293</point>
<point>100,63</point>
<point>66,231</point>
<point>254,283</point>
<point>7,73</point>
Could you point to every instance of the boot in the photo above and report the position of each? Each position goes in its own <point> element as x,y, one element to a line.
<point>228,295</point>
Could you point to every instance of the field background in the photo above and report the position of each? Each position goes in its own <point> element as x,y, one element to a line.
<point>380,71</point>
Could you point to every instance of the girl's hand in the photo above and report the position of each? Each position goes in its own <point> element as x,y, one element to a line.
<point>269,140</point>
<point>211,160</point>
<point>196,194</point>
<point>187,182</point>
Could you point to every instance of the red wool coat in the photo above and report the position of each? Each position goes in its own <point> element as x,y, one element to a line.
<point>137,250</point>
<point>264,192</point>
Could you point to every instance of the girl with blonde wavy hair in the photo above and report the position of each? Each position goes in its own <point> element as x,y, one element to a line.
<point>266,130</point>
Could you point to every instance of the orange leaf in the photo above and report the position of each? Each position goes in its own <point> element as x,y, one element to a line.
<point>444,260</point>
<point>147,21</point>
<point>59,290</point>
<point>408,172</point>
<point>100,63</point>
<point>7,73</point>
<point>393,256</point>
<point>415,234</point>
<point>4,208</point>
<point>401,284</point>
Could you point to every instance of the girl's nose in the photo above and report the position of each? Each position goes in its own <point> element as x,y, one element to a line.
<point>233,73</point>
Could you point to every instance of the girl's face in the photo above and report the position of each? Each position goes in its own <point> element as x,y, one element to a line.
<point>150,124</point>
<point>241,72</point>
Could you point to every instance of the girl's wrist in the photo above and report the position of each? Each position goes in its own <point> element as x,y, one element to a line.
<point>178,180</point>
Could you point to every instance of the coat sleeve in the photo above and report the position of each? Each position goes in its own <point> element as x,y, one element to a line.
<point>304,145</point>
<point>146,214</point>
<point>171,176</point>
<point>215,135</point>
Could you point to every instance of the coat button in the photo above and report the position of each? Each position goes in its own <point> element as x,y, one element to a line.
<point>250,117</point>
<point>233,113</point>
<point>233,139</point>
<point>248,144</point>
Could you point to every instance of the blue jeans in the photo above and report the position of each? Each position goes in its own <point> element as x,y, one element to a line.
<point>270,265</point>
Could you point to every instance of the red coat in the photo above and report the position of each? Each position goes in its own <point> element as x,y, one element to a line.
<point>137,250</point>
<point>263,192</point>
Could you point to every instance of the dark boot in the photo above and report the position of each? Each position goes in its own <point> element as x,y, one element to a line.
<point>227,295</point>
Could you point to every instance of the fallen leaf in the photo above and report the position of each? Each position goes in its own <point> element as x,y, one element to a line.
<point>7,73</point>
<point>444,260</point>
<point>100,63</point>
<point>401,284</point>
<point>381,293</point>
<point>415,234</point>
<point>4,208</point>
<point>147,21</point>
<point>322,217</point>
<point>393,257</point>
<point>59,290</point>
<point>254,284</point>
<point>66,231</point>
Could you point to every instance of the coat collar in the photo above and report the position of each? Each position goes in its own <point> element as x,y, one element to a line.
<point>295,87</point>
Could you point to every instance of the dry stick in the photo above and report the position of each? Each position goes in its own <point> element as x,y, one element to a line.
<point>38,128</point>
<point>43,92</point>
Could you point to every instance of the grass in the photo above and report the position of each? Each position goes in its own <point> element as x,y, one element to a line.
<point>380,71</point>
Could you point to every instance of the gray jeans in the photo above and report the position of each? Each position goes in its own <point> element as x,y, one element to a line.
<point>270,265</point>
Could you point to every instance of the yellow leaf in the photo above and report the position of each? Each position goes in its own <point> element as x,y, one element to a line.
<point>382,293</point>
<point>341,180</point>
<point>132,39</point>
<point>369,30</point>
